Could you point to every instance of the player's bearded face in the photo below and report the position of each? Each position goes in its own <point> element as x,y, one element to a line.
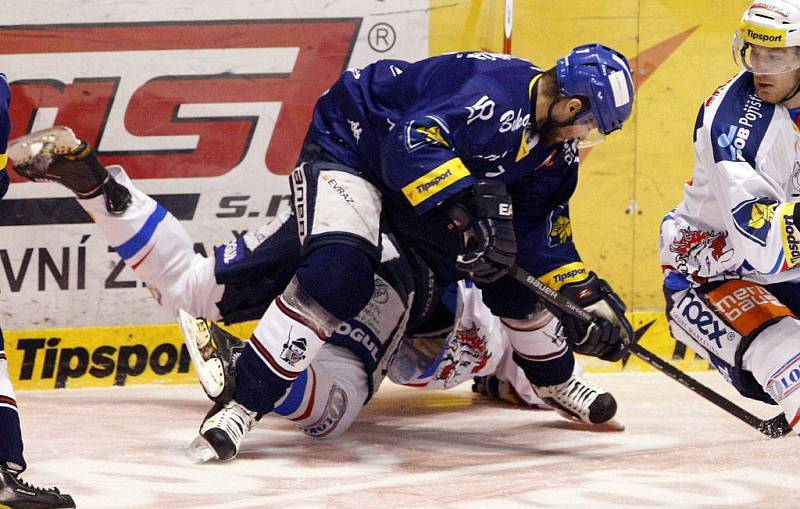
<point>561,124</point>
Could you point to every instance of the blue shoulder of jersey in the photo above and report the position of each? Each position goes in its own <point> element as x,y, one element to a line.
<point>740,123</point>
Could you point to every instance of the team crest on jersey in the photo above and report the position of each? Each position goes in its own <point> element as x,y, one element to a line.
<point>698,249</point>
<point>753,218</point>
<point>430,130</point>
<point>465,354</point>
<point>560,226</point>
<point>294,350</point>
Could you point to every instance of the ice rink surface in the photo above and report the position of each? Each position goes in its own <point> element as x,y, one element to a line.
<point>126,448</point>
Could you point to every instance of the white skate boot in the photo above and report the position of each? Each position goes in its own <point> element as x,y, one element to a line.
<point>222,432</point>
<point>578,400</point>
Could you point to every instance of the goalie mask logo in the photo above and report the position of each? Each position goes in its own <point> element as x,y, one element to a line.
<point>294,350</point>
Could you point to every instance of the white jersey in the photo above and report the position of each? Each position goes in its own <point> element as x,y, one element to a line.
<point>737,218</point>
<point>476,346</point>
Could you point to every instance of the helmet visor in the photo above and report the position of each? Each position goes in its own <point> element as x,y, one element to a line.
<point>586,131</point>
<point>763,59</point>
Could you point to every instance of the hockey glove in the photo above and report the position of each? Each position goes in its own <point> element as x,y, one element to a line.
<point>485,217</point>
<point>607,338</point>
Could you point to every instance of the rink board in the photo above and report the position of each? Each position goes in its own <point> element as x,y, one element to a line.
<point>108,356</point>
<point>206,104</point>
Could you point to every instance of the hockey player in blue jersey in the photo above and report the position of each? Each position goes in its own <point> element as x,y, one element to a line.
<point>400,150</point>
<point>730,248</point>
<point>14,492</point>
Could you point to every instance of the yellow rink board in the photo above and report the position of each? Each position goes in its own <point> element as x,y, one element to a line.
<point>107,356</point>
<point>101,356</point>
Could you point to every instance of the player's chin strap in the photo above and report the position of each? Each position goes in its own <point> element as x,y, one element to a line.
<point>776,427</point>
<point>791,95</point>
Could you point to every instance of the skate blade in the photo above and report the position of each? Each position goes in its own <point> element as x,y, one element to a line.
<point>210,372</point>
<point>611,425</point>
<point>200,451</point>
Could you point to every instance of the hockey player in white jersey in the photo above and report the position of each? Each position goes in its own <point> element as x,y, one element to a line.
<point>731,250</point>
<point>247,274</point>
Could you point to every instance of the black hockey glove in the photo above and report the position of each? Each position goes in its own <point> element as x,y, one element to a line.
<point>612,331</point>
<point>485,217</point>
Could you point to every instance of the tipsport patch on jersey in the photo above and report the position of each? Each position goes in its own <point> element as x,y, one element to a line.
<point>560,226</point>
<point>435,181</point>
<point>753,218</point>
<point>790,234</point>
<point>569,273</point>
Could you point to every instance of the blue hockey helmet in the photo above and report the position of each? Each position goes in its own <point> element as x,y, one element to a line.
<point>603,77</point>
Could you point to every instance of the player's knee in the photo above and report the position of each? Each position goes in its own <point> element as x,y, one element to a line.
<point>774,359</point>
<point>339,278</point>
<point>195,290</point>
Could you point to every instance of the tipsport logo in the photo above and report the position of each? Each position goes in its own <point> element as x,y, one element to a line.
<point>791,237</point>
<point>178,99</point>
<point>760,37</point>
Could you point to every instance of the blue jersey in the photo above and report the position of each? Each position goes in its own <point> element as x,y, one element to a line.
<point>5,120</point>
<point>425,132</point>
<point>5,129</point>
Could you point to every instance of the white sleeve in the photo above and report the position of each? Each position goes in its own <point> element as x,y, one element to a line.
<point>752,200</point>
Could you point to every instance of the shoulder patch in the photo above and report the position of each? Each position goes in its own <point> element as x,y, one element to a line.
<point>740,123</point>
<point>753,218</point>
<point>430,130</point>
<point>560,226</point>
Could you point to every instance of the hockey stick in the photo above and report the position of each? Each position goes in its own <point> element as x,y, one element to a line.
<point>508,25</point>
<point>775,427</point>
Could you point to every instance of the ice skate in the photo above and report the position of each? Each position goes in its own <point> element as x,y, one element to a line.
<point>214,353</point>
<point>57,155</point>
<point>222,432</point>
<point>17,494</point>
<point>578,400</point>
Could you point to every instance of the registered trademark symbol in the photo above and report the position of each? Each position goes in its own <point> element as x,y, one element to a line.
<point>381,37</point>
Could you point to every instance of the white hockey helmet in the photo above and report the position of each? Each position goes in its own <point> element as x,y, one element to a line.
<point>768,39</point>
